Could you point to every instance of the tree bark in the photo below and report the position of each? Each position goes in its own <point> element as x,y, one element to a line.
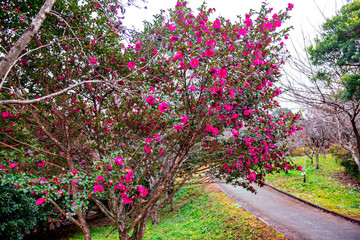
<point>19,46</point>
<point>172,203</point>
<point>142,228</point>
<point>317,160</point>
<point>155,215</point>
<point>84,226</point>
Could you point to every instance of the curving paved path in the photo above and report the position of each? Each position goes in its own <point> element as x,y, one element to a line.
<point>291,217</point>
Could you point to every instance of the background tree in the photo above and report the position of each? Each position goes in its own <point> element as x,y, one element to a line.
<point>331,66</point>
<point>338,46</point>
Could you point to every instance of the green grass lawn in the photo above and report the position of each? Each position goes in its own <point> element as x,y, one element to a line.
<point>322,186</point>
<point>201,213</point>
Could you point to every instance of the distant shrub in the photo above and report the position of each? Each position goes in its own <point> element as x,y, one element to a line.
<point>299,151</point>
<point>345,159</point>
<point>18,213</point>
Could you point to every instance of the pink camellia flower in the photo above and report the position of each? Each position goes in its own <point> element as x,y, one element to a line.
<point>248,22</point>
<point>192,88</point>
<point>163,106</point>
<point>277,24</point>
<point>40,201</point>
<point>138,46</point>
<point>147,149</point>
<point>228,107</point>
<point>210,42</point>
<point>222,73</point>
<point>194,62</point>
<point>208,128</point>
<point>299,168</point>
<point>129,176</point>
<point>150,100</point>
<point>252,176</point>
<point>126,199</point>
<point>232,93</point>
<point>92,42</point>
<point>185,119</point>
<point>234,115</point>
<point>142,191</point>
<point>172,27</point>
<point>174,38</point>
<point>178,127</point>
<point>92,61</point>
<point>119,160</point>
<point>213,90</point>
<point>5,114</point>
<point>148,140</point>
<point>12,165</point>
<point>157,137</point>
<point>291,6</point>
<point>99,178</point>
<point>243,31</point>
<point>209,52</point>
<point>98,188</point>
<point>178,55</point>
<point>247,112</point>
<point>215,131</point>
<point>131,65</point>
<point>235,132</point>
<point>217,24</point>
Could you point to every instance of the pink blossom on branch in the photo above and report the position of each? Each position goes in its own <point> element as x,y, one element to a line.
<point>92,61</point>
<point>40,201</point>
<point>126,199</point>
<point>131,65</point>
<point>194,63</point>
<point>98,188</point>
<point>150,100</point>
<point>185,119</point>
<point>119,161</point>
<point>143,192</point>
<point>178,127</point>
<point>163,106</point>
<point>217,24</point>
<point>174,38</point>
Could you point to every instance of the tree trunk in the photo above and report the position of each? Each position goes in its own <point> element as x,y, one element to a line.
<point>317,160</point>
<point>84,226</point>
<point>29,33</point>
<point>312,156</point>
<point>142,228</point>
<point>155,215</point>
<point>172,203</point>
<point>355,156</point>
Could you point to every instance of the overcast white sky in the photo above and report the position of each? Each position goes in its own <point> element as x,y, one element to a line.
<point>307,15</point>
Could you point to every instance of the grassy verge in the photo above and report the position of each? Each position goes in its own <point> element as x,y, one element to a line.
<point>202,213</point>
<point>322,186</point>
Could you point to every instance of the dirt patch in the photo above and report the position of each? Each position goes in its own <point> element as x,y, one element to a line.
<point>348,181</point>
<point>68,230</point>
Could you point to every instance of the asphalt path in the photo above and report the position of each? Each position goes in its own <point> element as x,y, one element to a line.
<point>291,217</point>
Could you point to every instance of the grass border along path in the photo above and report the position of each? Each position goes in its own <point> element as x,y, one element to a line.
<point>323,186</point>
<point>201,213</point>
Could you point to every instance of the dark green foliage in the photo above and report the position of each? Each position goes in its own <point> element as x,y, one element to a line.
<point>338,47</point>
<point>345,159</point>
<point>18,213</point>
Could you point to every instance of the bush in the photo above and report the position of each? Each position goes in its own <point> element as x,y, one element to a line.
<point>345,159</point>
<point>18,213</point>
<point>299,151</point>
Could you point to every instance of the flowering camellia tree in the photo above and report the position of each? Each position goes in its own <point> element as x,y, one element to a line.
<point>188,95</point>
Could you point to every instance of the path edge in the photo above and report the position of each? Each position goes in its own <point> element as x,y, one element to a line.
<point>351,219</point>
